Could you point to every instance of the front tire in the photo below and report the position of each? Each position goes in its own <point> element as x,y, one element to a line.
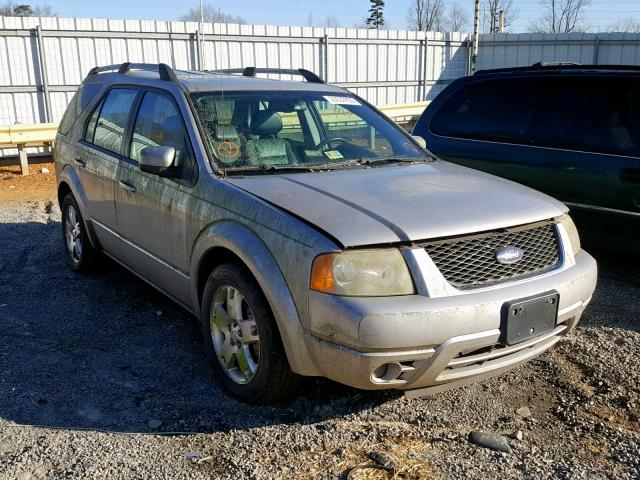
<point>80,252</point>
<point>241,338</point>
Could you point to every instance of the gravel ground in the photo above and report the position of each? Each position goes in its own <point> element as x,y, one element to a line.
<point>103,377</point>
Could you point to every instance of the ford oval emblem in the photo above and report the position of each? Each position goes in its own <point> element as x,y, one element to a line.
<point>509,255</point>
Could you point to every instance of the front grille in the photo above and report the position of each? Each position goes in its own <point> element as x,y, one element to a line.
<point>470,262</point>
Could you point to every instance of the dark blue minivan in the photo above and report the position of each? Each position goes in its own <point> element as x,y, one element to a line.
<point>571,131</point>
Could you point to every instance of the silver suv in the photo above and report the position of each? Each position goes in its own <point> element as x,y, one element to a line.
<point>311,235</point>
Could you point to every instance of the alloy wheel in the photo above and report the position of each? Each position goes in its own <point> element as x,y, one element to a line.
<point>73,234</point>
<point>234,333</point>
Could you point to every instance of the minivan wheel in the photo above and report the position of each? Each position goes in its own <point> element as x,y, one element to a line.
<point>241,338</point>
<point>81,253</point>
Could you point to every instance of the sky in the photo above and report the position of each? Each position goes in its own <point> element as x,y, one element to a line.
<point>601,13</point>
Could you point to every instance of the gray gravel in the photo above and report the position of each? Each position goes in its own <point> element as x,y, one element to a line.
<point>103,377</point>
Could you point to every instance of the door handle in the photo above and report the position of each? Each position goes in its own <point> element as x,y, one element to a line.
<point>81,163</point>
<point>127,186</point>
<point>630,175</point>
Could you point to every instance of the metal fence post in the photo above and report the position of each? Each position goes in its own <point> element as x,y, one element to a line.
<point>596,49</point>
<point>42,65</point>
<point>424,68</point>
<point>325,42</point>
<point>420,75</point>
<point>199,50</point>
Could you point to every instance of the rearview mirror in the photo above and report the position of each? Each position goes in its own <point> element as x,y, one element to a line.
<point>156,160</point>
<point>421,141</point>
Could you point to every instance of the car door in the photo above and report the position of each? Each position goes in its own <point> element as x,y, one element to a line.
<point>97,161</point>
<point>153,210</point>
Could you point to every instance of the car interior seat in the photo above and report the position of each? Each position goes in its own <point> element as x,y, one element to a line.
<point>218,118</point>
<point>264,147</point>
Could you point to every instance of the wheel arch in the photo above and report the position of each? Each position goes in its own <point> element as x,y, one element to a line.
<point>232,242</point>
<point>69,182</point>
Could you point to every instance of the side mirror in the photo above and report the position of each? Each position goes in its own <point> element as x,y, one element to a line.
<point>420,141</point>
<point>156,160</point>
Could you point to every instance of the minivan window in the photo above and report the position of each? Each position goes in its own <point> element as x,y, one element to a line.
<point>113,118</point>
<point>592,114</point>
<point>159,123</point>
<point>492,110</point>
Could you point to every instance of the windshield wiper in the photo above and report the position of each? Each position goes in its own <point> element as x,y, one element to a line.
<point>266,169</point>
<point>372,161</point>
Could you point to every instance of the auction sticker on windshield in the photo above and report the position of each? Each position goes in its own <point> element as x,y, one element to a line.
<point>336,100</point>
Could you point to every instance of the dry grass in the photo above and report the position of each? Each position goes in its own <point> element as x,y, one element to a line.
<point>406,457</point>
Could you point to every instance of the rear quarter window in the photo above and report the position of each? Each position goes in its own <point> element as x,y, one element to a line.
<point>596,114</point>
<point>83,96</point>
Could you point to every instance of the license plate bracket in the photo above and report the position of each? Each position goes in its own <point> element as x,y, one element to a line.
<point>529,317</point>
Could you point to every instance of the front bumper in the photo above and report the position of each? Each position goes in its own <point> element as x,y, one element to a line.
<point>428,344</point>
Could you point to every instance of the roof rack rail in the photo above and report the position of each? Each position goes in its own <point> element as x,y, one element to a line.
<point>165,71</point>
<point>555,64</point>
<point>252,71</point>
<point>551,66</point>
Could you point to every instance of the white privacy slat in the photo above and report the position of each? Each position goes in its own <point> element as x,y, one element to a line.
<point>385,67</point>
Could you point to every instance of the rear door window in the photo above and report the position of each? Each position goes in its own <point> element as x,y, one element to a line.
<point>113,119</point>
<point>589,114</point>
<point>499,110</point>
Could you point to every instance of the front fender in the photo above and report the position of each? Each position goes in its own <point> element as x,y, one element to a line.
<point>255,255</point>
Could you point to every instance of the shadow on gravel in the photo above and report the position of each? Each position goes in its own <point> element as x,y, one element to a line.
<point>106,351</point>
<point>615,303</point>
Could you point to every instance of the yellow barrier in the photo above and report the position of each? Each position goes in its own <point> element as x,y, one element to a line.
<point>21,136</point>
<point>404,113</point>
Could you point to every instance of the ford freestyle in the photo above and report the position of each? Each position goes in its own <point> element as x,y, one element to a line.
<point>310,235</point>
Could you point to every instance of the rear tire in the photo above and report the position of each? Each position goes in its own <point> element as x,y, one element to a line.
<point>80,252</point>
<point>241,338</point>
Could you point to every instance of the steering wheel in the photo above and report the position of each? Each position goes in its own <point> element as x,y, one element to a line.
<point>328,142</point>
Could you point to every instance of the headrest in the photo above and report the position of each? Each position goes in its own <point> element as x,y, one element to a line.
<point>265,123</point>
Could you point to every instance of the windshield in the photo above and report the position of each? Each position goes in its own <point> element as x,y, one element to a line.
<point>298,130</point>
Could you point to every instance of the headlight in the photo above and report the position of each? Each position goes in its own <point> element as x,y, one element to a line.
<point>366,273</point>
<point>572,232</point>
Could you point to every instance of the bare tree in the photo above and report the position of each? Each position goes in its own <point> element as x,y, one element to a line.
<point>626,25</point>
<point>44,11</point>
<point>492,14</point>
<point>561,16</point>
<point>211,15</point>
<point>457,19</point>
<point>362,23</point>
<point>426,15</point>
<point>331,22</point>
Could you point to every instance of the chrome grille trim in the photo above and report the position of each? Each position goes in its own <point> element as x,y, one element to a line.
<point>469,261</point>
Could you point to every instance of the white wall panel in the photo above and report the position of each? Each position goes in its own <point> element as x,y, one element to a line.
<point>385,67</point>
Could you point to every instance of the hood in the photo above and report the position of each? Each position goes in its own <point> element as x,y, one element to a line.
<point>402,203</point>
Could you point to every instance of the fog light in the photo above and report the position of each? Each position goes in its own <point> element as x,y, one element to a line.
<point>387,372</point>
